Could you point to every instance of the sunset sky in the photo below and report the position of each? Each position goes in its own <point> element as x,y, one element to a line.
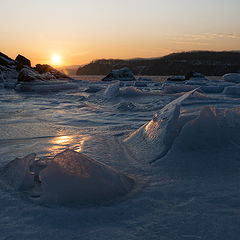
<point>82,30</point>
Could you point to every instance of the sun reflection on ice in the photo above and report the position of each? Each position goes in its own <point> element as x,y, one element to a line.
<point>61,143</point>
<point>62,140</point>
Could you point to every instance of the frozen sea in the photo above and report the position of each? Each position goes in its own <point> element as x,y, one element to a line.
<point>191,193</point>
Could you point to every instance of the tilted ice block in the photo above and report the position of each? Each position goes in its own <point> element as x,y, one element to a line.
<point>17,175</point>
<point>153,139</point>
<point>73,178</point>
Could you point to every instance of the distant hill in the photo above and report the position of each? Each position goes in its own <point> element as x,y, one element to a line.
<point>207,62</point>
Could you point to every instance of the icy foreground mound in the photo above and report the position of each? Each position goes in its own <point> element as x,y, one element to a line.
<point>70,178</point>
<point>73,177</point>
<point>153,139</point>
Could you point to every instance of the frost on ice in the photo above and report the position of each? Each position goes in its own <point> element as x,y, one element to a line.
<point>153,139</point>
<point>73,177</point>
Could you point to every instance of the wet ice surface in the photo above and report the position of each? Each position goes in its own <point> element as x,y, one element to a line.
<point>191,193</point>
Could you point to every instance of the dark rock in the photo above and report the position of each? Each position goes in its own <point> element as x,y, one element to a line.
<point>5,60</point>
<point>193,75</point>
<point>28,75</point>
<point>23,61</point>
<point>45,68</point>
<point>123,74</point>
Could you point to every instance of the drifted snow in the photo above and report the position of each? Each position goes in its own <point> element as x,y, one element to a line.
<point>209,142</point>
<point>73,177</point>
<point>153,139</point>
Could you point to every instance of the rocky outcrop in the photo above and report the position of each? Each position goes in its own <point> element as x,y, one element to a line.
<point>6,61</point>
<point>17,74</point>
<point>23,60</point>
<point>45,68</point>
<point>28,75</point>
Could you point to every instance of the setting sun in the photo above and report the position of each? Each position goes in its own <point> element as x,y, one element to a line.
<point>56,59</point>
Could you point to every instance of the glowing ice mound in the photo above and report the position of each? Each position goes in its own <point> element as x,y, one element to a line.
<point>232,77</point>
<point>123,74</point>
<point>17,175</point>
<point>153,139</point>
<point>73,178</point>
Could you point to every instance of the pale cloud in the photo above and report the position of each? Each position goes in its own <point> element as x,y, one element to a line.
<point>203,40</point>
<point>207,36</point>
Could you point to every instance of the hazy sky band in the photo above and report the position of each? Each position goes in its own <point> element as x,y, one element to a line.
<point>82,30</point>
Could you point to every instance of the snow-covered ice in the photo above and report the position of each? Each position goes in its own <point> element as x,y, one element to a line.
<point>190,190</point>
